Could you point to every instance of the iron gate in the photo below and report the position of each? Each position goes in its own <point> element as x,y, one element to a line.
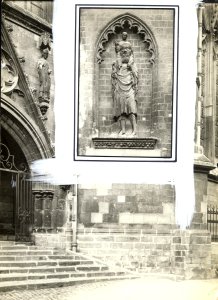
<point>212,222</point>
<point>23,188</point>
<point>24,207</point>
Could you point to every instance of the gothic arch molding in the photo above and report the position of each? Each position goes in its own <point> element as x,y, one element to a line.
<point>21,128</point>
<point>133,23</point>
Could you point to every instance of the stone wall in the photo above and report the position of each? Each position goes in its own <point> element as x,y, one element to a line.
<point>145,248</point>
<point>151,248</point>
<point>155,82</point>
<point>214,258</point>
<point>126,204</point>
<point>133,226</point>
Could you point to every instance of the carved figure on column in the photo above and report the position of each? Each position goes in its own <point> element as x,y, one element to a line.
<point>124,85</point>
<point>44,72</point>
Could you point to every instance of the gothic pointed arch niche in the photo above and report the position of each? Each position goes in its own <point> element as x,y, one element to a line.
<point>133,23</point>
<point>146,57</point>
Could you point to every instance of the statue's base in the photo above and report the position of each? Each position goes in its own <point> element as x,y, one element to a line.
<point>124,143</point>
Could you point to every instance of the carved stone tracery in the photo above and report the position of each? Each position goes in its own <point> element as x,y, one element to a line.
<point>9,75</point>
<point>42,208</point>
<point>132,23</point>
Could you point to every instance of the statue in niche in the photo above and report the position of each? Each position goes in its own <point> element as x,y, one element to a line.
<point>44,76</point>
<point>44,72</point>
<point>124,86</point>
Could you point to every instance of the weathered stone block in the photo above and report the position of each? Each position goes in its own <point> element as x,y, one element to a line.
<point>176,240</point>
<point>47,218</point>
<point>198,239</point>
<point>103,207</point>
<point>96,217</point>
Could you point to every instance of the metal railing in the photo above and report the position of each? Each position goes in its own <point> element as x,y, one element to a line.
<point>212,222</point>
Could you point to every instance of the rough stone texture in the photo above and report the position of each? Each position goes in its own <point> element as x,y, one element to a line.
<point>200,213</point>
<point>127,204</point>
<point>130,248</point>
<point>214,258</point>
<point>155,86</point>
<point>160,248</point>
<point>58,240</point>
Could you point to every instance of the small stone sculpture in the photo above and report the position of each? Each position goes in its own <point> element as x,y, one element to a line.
<point>44,76</point>
<point>44,73</point>
<point>124,85</point>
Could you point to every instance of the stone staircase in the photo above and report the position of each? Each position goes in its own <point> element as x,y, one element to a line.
<point>24,266</point>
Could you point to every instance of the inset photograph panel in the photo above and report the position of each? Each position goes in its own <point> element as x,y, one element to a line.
<point>126,83</point>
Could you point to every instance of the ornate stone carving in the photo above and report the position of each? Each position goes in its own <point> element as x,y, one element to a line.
<point>45,41</point>
<point>9,75</point>
<point>132,23</point>
<point>124,143</point>
<point>124,85</point>
<point>42,208</point>
<point>44,72</point>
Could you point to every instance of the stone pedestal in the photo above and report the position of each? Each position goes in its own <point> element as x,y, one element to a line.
<point>124,143</point>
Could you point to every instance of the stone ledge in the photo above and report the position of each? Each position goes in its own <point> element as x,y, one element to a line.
<point>124,143</point>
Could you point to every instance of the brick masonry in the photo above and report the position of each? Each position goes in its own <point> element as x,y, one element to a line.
<point>126,204</point>
<point>155,82</point>
<point>151,248</point>
<point>134,226</point>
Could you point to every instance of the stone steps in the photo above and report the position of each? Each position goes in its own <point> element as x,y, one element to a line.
<point>53,269</point>
<point>37,276</point>
<point>28,264</point>
<point>54,283</point>
<point>24,266</point>
<point>33,257</point>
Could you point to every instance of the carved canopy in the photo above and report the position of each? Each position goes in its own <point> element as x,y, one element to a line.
<point>131,22</point>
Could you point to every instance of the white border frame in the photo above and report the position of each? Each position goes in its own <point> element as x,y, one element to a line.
<point>173,158</point>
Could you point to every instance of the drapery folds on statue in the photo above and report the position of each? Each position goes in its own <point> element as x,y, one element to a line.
<point>124,85</point>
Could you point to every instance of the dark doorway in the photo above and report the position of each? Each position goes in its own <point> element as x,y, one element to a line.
<point>15,190</point>
<point>7,202</point>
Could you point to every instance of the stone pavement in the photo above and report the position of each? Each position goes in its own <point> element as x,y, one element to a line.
<point>134,289</point>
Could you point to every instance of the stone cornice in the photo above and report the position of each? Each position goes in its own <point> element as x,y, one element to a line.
<point>24,18</point>
<point>202,164</point>
<point>213,175</point>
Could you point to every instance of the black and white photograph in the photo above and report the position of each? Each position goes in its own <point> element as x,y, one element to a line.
<point>127,82</point>
<point>109,150</point>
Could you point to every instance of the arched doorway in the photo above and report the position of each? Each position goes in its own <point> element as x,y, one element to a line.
<point>16,191</point>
